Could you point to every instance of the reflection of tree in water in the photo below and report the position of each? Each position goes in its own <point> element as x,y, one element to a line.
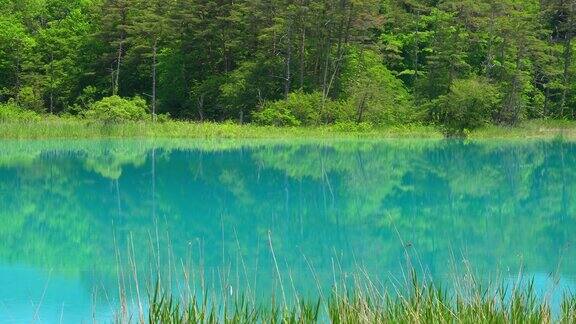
<point>494,201</point>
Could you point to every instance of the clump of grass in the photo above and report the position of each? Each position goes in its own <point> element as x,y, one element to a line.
<point>164,309</point>
<point>417,302</point>
<point>353,298</point>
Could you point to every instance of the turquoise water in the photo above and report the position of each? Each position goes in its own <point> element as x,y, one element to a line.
<point>68,208</point>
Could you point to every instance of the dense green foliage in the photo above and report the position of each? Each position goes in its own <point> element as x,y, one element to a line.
<point>468,104</point>
<point>383,62</point>
<point>12,112</point>
<point>116,109</point>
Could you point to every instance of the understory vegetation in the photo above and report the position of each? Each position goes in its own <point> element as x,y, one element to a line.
<point>458,65</point>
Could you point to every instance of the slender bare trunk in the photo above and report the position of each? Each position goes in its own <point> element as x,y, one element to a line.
<point>154,58</point>
<point>566,72</point>
<point>325,77</point>
<point>546,101</point>
<point>121,40</point>
<point>490,56</point>
<point>416,56</point>
<point>302,57</point>
<point>17,67</point>
<point>115,88</point>
<point>288,78</point>
<point>327,49</point>
<point>201,107</point>
<point>51,83</point>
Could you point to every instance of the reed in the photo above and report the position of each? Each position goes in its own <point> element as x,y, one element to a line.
<point>353,298</point>
<point>417,303</point>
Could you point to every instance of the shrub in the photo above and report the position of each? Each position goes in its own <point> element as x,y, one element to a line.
<point>298,109</point>
<point>348,126</point>
<point>28,98</point>
<point>11,112</point>
<point>275,114</point>
<point>372,92</point>
<point>163,118</point>
<point>470,104</point>
<point>115,109</point>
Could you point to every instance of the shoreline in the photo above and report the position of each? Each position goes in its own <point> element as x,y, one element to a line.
<point>81,129</point>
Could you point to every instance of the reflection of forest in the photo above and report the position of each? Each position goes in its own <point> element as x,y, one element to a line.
<point>500,203</point>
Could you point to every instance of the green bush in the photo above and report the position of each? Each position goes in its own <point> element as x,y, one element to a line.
<point>11,112</point>
<point>372,93</point>
<point>470,104</point>
<point>28,98</point>
<point>163,118</point>
<point>348,126</point>
<point>275,114</point>
<point>115,109</point>
<point>298,109</point>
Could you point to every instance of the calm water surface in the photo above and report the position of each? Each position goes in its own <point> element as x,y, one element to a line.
<point>68,208</point>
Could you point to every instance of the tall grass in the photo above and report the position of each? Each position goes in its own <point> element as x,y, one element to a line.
<point>60,128</point>
<point>543,128</point>
<point>353,298</point>
<point>416,303</point>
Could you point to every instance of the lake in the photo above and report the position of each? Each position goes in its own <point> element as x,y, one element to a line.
<point>74,214</point>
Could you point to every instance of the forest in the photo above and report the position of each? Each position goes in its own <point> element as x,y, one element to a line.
<point>457,63</point>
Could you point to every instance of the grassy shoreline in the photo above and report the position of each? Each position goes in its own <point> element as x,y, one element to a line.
<point>71,129</point>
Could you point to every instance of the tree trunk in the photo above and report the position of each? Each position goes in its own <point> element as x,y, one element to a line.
<point>566,73</point>
<point>490,55</point>
<point>288,60</point>
<point>154,54</point>
<point>51,83</point>
<point>416,56</point>
<point>122,39</point>
<point>118,63</point>
<point>201,107</point>
<point>302,55</point>
<point>17,68</point>
<point>325,76</point>
<point>342,41</point>
<point>362,107</point>
<point>546,102</point>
